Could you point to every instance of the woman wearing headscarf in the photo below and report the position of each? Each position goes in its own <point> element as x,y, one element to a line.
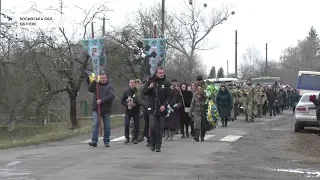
<point>224,104</point>
<point>193,87</point>
<point>184,110</point>
<point>198,113</point>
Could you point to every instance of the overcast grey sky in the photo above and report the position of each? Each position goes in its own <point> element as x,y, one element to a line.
<point>280,22</point>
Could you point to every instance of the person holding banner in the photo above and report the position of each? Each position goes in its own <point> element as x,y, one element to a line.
<point>106,95</point>
<point>160,94</point>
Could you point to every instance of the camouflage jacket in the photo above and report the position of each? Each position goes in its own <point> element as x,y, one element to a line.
<point>247,92</point>
<point>263,96</point>
<point>235,96</point>
<point>257,96</point>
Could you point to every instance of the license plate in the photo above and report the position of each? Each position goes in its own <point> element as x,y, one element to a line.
<point>312,112</point>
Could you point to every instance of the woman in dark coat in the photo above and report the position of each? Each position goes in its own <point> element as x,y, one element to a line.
<point>184,110</point>
<point>224,104</point>
<point>172,120</point>
<point>294,99</point>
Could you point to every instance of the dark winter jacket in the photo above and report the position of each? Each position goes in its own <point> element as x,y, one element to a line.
<point>271,95</point>
<point>159,95</point>
<point>224,103</point>
<point>130,95</point>
<point>187,97</point>
<point>106,95</point>
<point>294,98</point>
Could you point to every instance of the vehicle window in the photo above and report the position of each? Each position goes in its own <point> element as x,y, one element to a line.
<point>309,80</point>
<point>305,98</point>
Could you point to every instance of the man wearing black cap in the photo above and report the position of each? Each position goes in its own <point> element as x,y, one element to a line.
<point>200,81</point>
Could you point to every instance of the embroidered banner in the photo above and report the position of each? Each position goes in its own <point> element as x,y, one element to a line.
<point>95,48</point>
<point>157,45</point>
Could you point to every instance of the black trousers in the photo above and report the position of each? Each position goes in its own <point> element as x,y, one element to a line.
<point>185,120</point>
<point>156,128</point>
<point>224,121</point>
<point>272,108</point>
<point>127,119</point>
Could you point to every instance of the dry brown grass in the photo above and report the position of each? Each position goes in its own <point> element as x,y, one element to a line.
<point>25,135</point>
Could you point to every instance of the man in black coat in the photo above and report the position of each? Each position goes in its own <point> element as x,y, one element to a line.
<point>272,98</point>
<point>130,101</point>
<point>106,97</point>
<point>159,92</point>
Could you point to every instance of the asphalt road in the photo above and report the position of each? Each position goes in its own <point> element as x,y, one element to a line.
<point>266,149</point>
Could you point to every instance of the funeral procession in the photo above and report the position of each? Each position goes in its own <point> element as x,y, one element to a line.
<point>159,90</point>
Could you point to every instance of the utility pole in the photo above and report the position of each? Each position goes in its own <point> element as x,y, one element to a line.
<point>103,26</point>
<point>266,59</point>
<point>0,13</point>
<point>162,17</point>
<point>236,55</point>
<point>227,68</point>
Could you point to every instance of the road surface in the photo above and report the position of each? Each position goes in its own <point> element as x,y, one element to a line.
<point>266,149</point>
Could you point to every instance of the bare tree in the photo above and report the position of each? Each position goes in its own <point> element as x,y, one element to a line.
<point>67,59</point>
<point>189,29</point>
<point>176,65</point>
<point>304,56</point>
<point>185,34</point>
<point>252,65</point>
<point>139,26</point>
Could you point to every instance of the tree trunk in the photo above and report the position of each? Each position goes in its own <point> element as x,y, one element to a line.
<point>73,111</point>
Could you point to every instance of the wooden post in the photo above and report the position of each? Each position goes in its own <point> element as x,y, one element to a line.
<point>97,92</point>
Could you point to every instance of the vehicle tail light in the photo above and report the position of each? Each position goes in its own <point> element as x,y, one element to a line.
<point>301,108</point>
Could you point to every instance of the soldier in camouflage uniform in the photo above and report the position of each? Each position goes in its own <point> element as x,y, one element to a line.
<point>247,92</point>
<point>131,129</point>
<point>232,93</point>
<point>237,101</point>
<point>264,101</point>
<point>257,101</point>
<point>141,120</point>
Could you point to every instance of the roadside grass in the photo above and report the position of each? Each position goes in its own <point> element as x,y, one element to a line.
<point>25,135</point>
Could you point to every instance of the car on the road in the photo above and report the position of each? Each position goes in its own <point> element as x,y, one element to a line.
<point>305,114</point>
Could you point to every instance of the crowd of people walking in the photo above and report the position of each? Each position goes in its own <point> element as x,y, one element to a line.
<point>157,108</point>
